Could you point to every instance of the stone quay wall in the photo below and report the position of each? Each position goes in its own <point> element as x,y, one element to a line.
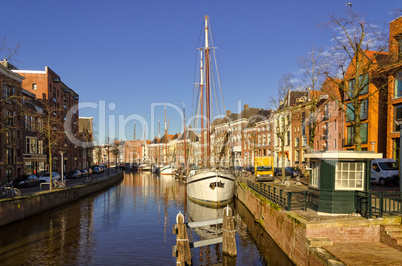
<point>15,209</point>
<point>301,239</point>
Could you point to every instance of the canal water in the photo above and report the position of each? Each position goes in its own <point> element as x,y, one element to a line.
<point>131,224</point>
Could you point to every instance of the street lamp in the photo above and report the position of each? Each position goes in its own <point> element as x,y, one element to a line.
<point>62,161</point>
<point>372,143</point>
<point>399,123</point>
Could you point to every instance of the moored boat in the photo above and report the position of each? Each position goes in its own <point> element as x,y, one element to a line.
<point>210,186</point>
<point>167,170</point>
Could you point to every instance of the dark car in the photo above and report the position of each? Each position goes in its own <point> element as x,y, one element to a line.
<point>74,174</point>
<point>26,181</point>
<point>250,168</point>
<point>84,172</point>
<point>292,171</point>
<point>278,171</point>
<point>97,170</point>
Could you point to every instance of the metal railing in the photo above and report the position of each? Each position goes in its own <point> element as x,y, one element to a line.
<point>289,200</point>
<point>369,204</point>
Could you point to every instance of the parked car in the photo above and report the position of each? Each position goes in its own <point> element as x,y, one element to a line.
<point>278,171</point>
<point>84,172</point>
<point>74,174</point>
<point>45,177</point>
<point>250,168</point>
<point>90,171</point>
<point>292,171</point>
<point>97,170</point>
<point>384,171</point>
<point>26,181</point>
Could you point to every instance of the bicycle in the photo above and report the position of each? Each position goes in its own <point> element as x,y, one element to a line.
<point>8,191</point>
<point>59,184</point>
<point>87,179</point>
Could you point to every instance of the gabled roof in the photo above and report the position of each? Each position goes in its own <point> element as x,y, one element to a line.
<point>189,135</point>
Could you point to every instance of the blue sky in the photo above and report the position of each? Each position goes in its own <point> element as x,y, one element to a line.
<point>134,53</point>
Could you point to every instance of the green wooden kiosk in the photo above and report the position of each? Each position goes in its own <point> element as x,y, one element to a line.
<point>334,177</point>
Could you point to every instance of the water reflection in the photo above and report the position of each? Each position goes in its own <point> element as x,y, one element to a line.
<point>129,223</point>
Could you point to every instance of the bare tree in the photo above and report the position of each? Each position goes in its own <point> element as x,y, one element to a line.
<point>358,52</point>
<point>282,115</point>
<point>313,67</point>
<point>51,128</point>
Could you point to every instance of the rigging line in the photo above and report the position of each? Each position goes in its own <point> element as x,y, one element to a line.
<point>219,81</point>
<point>216,67</point>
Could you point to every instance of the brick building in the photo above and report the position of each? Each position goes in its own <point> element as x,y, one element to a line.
<point>58,99</point>
<point>11,124</point>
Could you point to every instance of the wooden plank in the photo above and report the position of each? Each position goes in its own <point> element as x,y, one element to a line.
<point>205,223</point>
<point>206,242</point>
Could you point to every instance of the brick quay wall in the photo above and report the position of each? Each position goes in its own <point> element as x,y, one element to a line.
<point>15,209</point>
<point>303,240</point>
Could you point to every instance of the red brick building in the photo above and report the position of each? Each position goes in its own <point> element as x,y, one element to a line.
<point>60,99</point>
<point>11,125</point>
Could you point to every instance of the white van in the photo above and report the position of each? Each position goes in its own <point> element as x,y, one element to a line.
<point>384,171</point>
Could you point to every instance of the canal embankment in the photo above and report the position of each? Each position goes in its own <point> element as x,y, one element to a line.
<point>14,209</point>
<point>304,235</point>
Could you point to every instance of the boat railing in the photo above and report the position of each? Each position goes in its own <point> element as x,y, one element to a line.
<point>289,200</point>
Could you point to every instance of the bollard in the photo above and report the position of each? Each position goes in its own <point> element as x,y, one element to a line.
<point>182,243</point>
<point>229,236</point>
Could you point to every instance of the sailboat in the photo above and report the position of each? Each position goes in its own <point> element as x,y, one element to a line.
<point>209,185</point>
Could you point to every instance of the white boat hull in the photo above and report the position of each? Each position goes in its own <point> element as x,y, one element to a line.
<point>211,187</point>
<point>167,170</point>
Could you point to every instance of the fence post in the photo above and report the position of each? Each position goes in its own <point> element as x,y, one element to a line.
<point>381,203</point>
<point>182,243</point>
<point>229,236</point>
<point>369,206</point>
<point>289,200</point>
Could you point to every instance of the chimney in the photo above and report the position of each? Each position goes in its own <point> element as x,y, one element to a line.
<point>228,112</point>
<point>245,107</point>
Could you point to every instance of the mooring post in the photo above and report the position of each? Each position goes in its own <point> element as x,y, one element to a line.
<point>182,243</point>
<point>229,236</point>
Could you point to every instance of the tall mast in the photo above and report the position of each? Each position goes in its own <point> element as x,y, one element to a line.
<point>184,136</point>
<point>159,140</point>
<point>165,139</point>
<point>202,106</point>
<point>207,92</point>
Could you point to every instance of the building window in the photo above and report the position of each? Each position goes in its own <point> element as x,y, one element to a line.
<point>364,132</point>
<point>398,116</point>
<point>350,111</point>
<point>349,176</point>
<point>40,146</point>
<point>34,87</point>
<point>297,156</point>
<point>351,135</point>
<point>31,146</point>
<point>303,123</point>
<point>396,147</point>
<point>398,85</point>
<point>297,142</point>
<point>364,83</point>
<point>304,141</point>
<point>287,138</point>
<point>315,174</point>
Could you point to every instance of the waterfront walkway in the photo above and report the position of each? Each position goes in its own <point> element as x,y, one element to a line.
<point>351,253</point>
<point>70,182</point>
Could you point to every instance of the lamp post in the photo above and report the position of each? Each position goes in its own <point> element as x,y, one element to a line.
<point>399,123</point>
<point>62,161</point>
<point>372,143</point>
